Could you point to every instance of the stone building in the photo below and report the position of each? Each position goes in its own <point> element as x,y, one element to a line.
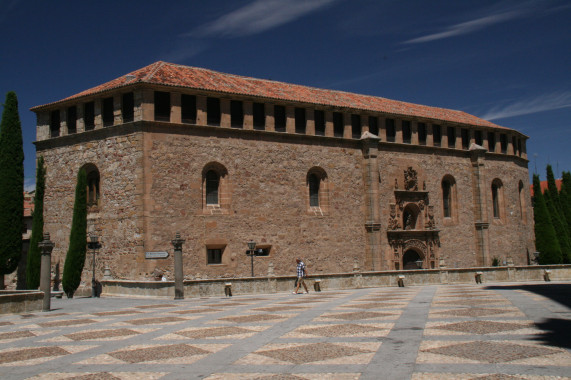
<point>343,180</point>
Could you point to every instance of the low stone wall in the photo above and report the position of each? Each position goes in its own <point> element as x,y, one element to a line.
<point>279,284</point>
<point>20,301</point>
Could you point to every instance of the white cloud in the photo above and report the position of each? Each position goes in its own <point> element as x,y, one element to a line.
<point>29,183</point>
<point>259,16</point>
<point>545,102</point>
<point>468,27</point>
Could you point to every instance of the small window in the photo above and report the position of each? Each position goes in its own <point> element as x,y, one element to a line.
<point>390,126</point>
<point>188,109</point>
<point>313,190</point>
<point>213,111</point>
<point>92,174</point>
<point>451,132</point>
<point>497,198</point>
<point>319,117</point>
<point>108,117</point>
<point>72,120</point>
<point>514,145</point>
<point>162,106</point>
<point>491,142</point>
<point>406,132</point>
<point>422,133</point>
<point>355,126</point>
<point>300,120</point>
<point>436,134</point>
<point>263,250</point>
<point>259,116</point>
<point>479,138</point>
<point>54,123</point>
<point>522,205</point>
<point>128,107</point>
<point>212,186</point>
<point>519,145</point>
<point>214,255</point>
<point>374,125</point>
<point>280,118</point>
<point>504,143</point>
<point>89,115</point>
<point>465,139</point>
<point>338,125</point>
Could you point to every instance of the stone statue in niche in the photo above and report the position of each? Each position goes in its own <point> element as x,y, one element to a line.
<point>396,184</point>
<point>423,185</point>
<point>430,223</point>
<point>410,179</point>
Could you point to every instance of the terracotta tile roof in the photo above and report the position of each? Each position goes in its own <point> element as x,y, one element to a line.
<point>28,204</point>
<point>168,74</point>
<point>543,185</point>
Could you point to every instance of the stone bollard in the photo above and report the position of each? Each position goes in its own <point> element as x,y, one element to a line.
<point>228,289</point>
<point>46,247</point>
<point>178,276</point>
<point>400,281</point>
<point>478,277</point>
<point>317,285</point>
<point>546,275</point>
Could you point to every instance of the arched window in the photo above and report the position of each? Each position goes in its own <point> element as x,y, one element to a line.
<point>497,199</point>
<point>93,179</point>
<point>215,189</point>
<point>317,191</point>
<point>212,184</point>
<point>313,190</point>
<point>449,201</point>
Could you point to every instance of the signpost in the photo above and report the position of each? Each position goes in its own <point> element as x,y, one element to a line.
<point>156,255</point>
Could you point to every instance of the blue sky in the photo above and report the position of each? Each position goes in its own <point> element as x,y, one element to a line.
<point>505,61</point>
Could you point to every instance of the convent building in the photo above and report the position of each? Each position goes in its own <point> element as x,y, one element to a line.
<point>340,179</point>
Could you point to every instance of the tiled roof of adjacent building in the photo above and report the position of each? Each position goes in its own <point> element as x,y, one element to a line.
<point>168,74</point>
<point>543,185</point>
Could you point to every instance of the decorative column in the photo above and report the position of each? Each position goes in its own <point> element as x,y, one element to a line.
<point>46,247</point>
<point>178,276</point>
<point>373,221</point>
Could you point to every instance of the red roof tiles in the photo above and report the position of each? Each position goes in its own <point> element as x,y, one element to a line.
<point>543,185</point>
<point>168,74</point>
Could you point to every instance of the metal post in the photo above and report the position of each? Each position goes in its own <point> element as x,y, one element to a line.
<point>178,272</point>
<point>46,247</point>
<point>252,251</point>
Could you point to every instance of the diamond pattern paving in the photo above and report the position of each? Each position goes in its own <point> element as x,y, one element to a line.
<point>372,305</point>
<point>473,312</point>
<point>16,334</point>
<point>312,353</point>
<point>482,327</point>
<point>213,332</point>
<point>158,353</point>
<point>492,352</point>
<point>69,322</point>
<point>101,334</point>
<point>341,330</point>
<point>357,316</point>
<point>253,318</point>
<point>152,321</point>
<point>30,353</point>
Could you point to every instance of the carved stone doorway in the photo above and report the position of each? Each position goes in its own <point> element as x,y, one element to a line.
<point>409,259</point>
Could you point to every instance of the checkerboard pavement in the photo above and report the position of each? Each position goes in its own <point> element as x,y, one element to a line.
<point>431,332</point>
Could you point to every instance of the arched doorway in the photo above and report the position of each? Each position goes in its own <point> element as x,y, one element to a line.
<point>409,259</point>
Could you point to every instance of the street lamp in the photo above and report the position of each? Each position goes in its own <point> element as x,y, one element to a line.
<point>94,245</point>
<point>251,252</point>
<point>419,263</point>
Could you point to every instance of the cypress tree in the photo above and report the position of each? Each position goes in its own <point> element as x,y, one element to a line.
<point>75,257</point>
<point>557,219</point>
<point>34,254</point>
<point>545,238</point>
<point>565,199</point>
<point>11,187</point>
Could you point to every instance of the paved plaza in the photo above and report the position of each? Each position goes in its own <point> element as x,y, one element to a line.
<point>488,331</point>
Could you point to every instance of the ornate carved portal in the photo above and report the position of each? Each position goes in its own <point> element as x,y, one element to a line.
<point>411,229</point>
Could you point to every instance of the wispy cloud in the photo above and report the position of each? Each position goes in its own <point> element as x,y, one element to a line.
<point>29,183</point>
<point>469,26</point>
<point>545,102</point>
<point>259,16</point>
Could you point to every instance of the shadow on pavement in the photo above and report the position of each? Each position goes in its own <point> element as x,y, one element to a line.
<point>557,332</point>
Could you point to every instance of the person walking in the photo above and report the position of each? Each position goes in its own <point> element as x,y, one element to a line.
<point>301,273</point>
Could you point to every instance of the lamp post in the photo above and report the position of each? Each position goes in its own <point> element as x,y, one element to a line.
<point>178,272</point>
<point>94,245</point>
<point>251,252</point>
<point>46,246</point>
<point>419,263</point>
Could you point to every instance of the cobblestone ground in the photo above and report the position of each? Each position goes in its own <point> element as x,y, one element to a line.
<point>487,331</point>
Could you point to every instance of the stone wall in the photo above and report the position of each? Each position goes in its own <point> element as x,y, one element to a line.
<point>151,187</point>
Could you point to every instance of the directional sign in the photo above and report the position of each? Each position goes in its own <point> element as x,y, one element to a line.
<point>156,255</point>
